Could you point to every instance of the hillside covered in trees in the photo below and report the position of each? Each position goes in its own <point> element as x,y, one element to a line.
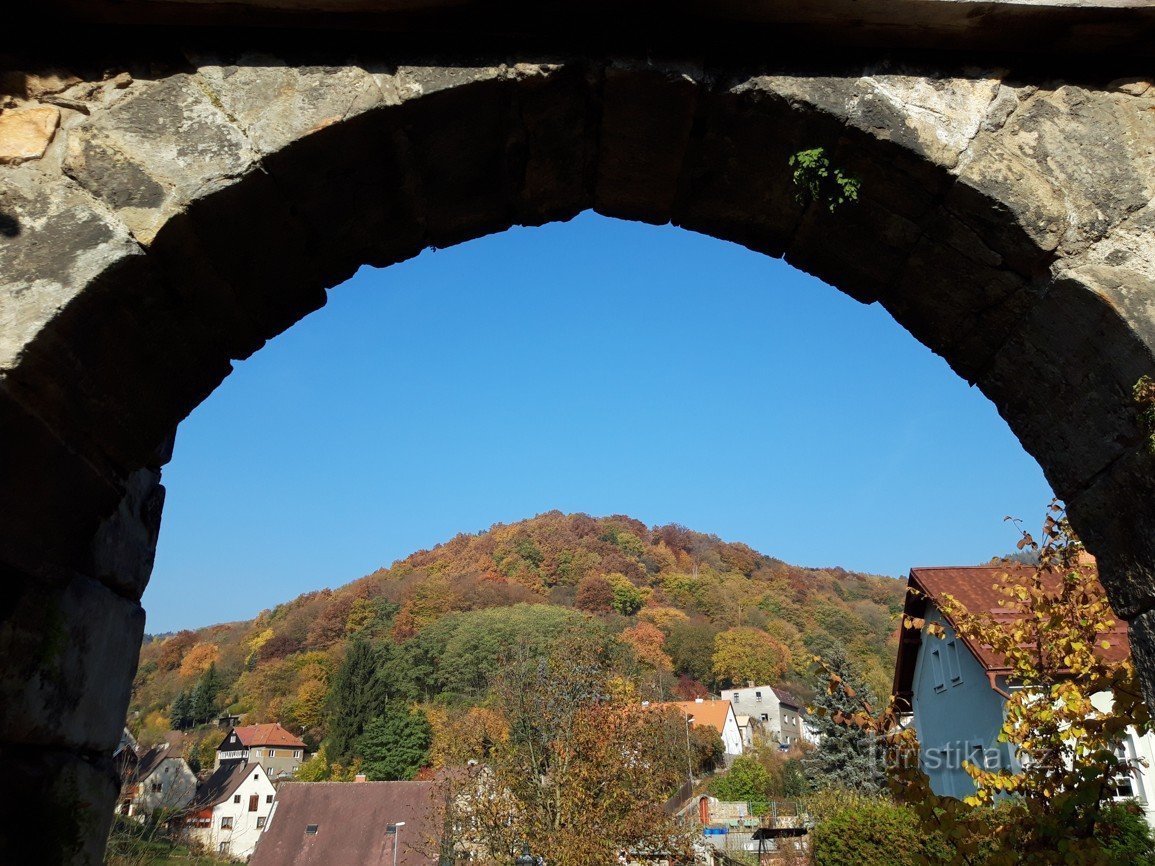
<point>681,613</point>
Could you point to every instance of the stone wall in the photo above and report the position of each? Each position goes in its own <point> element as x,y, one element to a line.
<point>159,220</point>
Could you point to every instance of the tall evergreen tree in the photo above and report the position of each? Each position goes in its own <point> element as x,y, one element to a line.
<point>181,713</point>
<point>846,755</point>
<point>359,694</point>
<point>203,701</point>
<point>394,746</point>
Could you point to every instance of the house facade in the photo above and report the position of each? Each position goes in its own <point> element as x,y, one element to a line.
<point>718,715</point>
<point>231,809</point>
<point>774,710</point>
<point>279,751</point>
<point>955,692</point>
<point>160,778</point>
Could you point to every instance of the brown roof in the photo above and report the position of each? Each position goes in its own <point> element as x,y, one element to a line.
<point>711,713</point>
<point>784,697</point>
<point>351,820</point>
<point>974,587</point>
<point>267,735</point>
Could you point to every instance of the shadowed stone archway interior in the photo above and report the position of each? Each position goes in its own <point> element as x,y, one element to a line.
<point>158,222</point>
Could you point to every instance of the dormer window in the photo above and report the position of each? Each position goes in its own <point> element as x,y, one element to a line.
<point>310,829</point>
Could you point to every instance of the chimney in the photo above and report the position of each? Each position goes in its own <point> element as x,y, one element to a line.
<point>360,777</point>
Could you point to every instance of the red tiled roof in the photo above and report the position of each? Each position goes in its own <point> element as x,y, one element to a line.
<point>710,713</point>
<point>974,587</point>
<point>267,735</point>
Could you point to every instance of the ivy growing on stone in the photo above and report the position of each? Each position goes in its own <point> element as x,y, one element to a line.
<point>1143,393</point>
<point>816,180</point>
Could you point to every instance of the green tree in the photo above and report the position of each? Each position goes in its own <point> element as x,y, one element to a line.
<point>847,755</point>
<point>203,701</point>
<point>747,781</point>
<point>394,746</point>
<point>181,714</point>
<point>746,653</point>
<point>359,694</point>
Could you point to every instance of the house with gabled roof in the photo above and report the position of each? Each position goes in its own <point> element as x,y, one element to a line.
<point>152,779</point>
<point>275,748</point>
<point>954,689</point>
<point>230,809</point>
<point>776,712</point>
<point>718,715</point>
<point>362,823</point>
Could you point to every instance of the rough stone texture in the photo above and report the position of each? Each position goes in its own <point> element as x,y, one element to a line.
<point>65,806</point>
<point>26,132</point>
<point>180,218</point>
<point>69,653</point>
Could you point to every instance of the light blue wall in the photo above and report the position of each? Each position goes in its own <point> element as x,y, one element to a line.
<point>951,721</point>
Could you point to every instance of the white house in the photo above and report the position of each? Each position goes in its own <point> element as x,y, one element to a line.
<point>776,711</point>
<point>955,690</point>
<point>159,779</point>
<point>718,715</point>
<point>231,809</point>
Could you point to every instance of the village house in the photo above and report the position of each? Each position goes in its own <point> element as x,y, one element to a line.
<point>718,715</point>
<point>280,752</point>
<point>157,778</point>
<point>230,809</point>
<point>954,690</point>
<point>777,712</point>
<point>363,823</point>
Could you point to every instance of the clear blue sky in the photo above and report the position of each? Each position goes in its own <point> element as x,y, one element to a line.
<point>597,366</point>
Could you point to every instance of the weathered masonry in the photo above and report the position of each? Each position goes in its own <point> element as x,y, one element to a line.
<point>174,200</point>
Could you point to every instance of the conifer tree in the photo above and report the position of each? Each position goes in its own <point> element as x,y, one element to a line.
<point>847,755</point>
<point>203,701</point>
<point>359,694</point>
<point>394,746</point>
<point>181,714</point>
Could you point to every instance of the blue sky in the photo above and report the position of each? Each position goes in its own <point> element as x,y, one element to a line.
<point>598,366</point>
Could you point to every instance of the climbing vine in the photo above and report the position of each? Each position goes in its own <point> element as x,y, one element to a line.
<point>816,180</point>
<point>1143,393</point>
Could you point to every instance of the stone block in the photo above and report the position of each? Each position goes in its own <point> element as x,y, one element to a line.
<point>160,147</point>
<point>70,649</point>
<point>1063,382</point>
<point>58,806</point>
<point>647,116</point>
<point>26,132</point>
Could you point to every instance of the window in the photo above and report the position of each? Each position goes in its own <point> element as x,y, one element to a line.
<point>260,821</point>
<point>223,848</point>
<point>255,776</point>
<point>272,753</point>
<point>236,798</point>
<point>310,829</point>
<point>156,787</point>
<point>737,697</point>
<point>936,670</point>
<point>757,696</point>
<point>297,753</point>
<point>952,661</point>
<point>254,800</point>
<point>765,717</point>
<point>1123,787</point>
<point>227,822</point>
<point>268,798</point>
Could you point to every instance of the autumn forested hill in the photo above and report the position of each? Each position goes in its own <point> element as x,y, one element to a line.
<point>691,612</point>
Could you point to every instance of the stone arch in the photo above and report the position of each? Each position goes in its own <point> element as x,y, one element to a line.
<point>176,220</point>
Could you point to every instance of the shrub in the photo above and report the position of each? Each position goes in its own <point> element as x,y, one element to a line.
<point>1124,832</point>
<point>875,831</point>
